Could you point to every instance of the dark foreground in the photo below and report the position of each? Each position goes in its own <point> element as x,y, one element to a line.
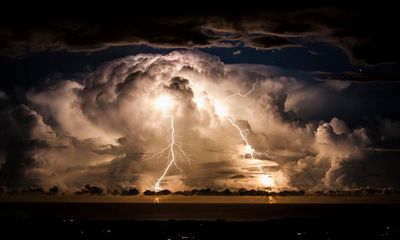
<point>215,221</point>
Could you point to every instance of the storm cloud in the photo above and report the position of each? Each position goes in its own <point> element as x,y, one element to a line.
<point>105,130</point>
<point>364,38</point>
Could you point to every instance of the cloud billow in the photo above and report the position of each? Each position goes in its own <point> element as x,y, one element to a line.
<point>105,130</point>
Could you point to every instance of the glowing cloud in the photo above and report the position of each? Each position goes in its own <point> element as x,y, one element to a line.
<point>187,120</point>
<point>220,109</point>
<point>163,103</point>
<point>267,180</point>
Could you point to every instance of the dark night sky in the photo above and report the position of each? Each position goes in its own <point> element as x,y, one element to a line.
<point>321,45</point>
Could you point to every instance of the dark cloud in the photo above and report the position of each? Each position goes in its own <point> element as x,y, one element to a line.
<point>358,31</point>
<point>238,176</point>
<point>86,35</point>
<point>19,143</point>
<point>270,42</point>
<point>378,168</point>
<point>180,87</point>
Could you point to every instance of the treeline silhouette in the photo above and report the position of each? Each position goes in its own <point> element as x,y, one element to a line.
<point>225,192</point>
<point>96,190</point>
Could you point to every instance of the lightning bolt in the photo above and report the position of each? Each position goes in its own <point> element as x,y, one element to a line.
<point>266,179</point>
<point>222,112</point>
<point>217,102</point>
<point>238,93</point>
<point>249,150</point>
<point>171,154</point>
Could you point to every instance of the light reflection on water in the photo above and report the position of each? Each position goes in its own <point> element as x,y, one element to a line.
<point>273,199</point>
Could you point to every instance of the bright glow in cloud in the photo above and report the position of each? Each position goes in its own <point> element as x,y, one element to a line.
<point>220,109</point>
<point>200,102</point>
<point>163,103</point>
<point>248,149</point>
<point>267,180</point>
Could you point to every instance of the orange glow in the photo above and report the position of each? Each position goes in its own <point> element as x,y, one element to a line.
<point>266,180</point>
<point>163,103</point>
<point>247,149</point>
<point>220,109</point>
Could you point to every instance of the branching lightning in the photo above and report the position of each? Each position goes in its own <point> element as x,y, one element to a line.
<point>238,93</point>
<point>265,179</point>
<point>248,149</point>
<point>222,112</point>
<point>164,103</point>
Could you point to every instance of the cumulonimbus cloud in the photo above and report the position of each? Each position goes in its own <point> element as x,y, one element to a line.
<point>105,129</point>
